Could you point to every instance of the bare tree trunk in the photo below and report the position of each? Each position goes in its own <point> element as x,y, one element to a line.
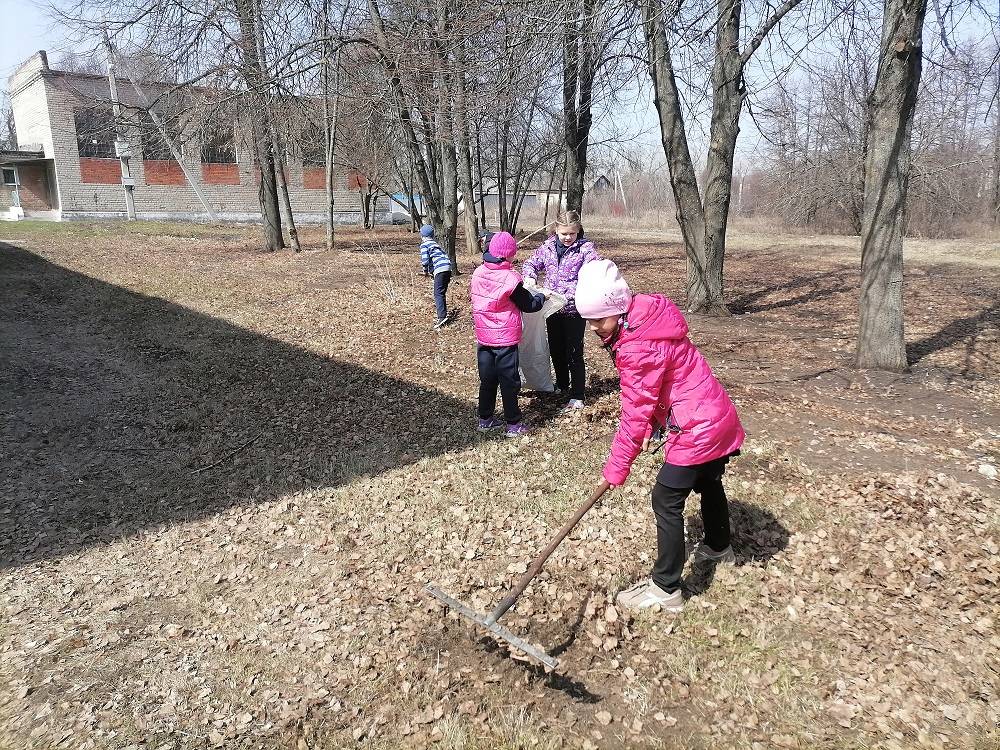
<point>503,139</point>
<point>449,214</point>
<point>463,144</point>
<point>286,201</point>
<point>480,180</point>
<point>267,191</point>
<point>704,222</point>
<point>416,218</point>
<point>367,205</point>
<point>705,284</point>
<point>683,179</point>
<point>548,193</point>
<point>330,113</point>
<point>256,82</point>
<point>436,162</point>
<point>276,150</point>
<point>887,170</point>
<point>562,189</point>
<point>577,91</point>
<point>995,203</point>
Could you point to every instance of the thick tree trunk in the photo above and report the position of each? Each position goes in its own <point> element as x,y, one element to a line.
<point>252,72</point>
<point>577,91</point>
<point>683,179</point>
<point>575,168</point>
<point>704,223</point>
<point>887,170</point>
<point>267,192</point>
<point>705,286</point>
<point>271,127</point>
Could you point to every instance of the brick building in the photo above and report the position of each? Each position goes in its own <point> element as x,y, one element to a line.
<point>66,166</point>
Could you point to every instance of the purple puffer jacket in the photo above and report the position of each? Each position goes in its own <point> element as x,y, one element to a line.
<point>560,275</point>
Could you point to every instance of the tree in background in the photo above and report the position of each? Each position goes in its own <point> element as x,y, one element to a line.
<point>672,35</point>
<point>887,171</point>
<point>8,136</point>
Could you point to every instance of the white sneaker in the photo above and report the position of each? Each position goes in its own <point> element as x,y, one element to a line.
<point>705,554</point>
<point>647,595</point>
<point>574,403</point>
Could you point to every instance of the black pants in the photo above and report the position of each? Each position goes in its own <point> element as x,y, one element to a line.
<point>441,281</point>
<point>668,507</point>
<point>498,369</point>
<point>566,348</point>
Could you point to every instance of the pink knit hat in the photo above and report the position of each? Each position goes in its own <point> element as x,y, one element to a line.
<point>502,246</point>
<point>601,291</point>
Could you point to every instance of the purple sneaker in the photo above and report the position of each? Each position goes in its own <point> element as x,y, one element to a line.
<point>517,429</point>
<point>493,423</point>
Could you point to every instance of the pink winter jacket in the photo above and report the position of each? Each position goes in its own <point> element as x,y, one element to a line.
<point>496,317</point>
<point>665,380</point>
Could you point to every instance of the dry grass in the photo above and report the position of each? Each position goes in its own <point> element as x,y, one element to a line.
<point>275,601</point>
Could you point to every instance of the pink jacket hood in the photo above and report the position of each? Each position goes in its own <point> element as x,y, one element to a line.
<point>666,381</point>
<point>653,317</point>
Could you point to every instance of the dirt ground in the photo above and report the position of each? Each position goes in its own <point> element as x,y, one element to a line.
<point>227,477</point>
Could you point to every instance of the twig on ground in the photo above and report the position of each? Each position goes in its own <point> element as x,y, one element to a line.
<point>135,450</point>
<point>229,455</point>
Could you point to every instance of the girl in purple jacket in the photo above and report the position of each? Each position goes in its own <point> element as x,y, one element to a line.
<point>560,257</point>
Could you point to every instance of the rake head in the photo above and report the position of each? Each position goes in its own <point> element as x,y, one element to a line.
<point>494,629</point>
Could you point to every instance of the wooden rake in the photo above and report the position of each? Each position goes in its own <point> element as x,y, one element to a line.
<point>488,621</point>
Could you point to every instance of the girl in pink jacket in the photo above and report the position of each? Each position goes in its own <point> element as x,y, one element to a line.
<point>666,385</point>
<point>498,299</point>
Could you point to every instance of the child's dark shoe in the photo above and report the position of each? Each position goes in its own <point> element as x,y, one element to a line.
<point>493,423</point>
<point>441,323</point>
<point>705,554</point>
<point>647,595</point>
<point>517,429</point>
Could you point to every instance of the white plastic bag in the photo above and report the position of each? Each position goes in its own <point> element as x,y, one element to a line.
<point>533,353</point>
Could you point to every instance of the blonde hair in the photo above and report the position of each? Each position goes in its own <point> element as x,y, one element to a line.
<point>569,219</point>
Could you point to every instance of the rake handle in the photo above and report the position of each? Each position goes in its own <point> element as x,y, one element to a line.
<point>539,561</point>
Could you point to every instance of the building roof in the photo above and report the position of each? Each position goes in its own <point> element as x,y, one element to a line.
<point>18,157</point>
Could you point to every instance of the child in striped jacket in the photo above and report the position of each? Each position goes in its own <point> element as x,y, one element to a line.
<point>436,262</point>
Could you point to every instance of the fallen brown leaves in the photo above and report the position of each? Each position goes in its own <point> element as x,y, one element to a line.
<point>276,600</point>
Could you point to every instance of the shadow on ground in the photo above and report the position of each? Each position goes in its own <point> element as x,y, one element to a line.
<point>758,535</point>
<point>962,330</point>
<point>123,413</point>
<point>818,286</point>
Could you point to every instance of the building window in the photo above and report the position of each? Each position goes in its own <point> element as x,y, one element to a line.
<point>9,177</point>
<point>95,132</point>
<point>313,146</point>
<point>218,146</point>
<point>154,147</point>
